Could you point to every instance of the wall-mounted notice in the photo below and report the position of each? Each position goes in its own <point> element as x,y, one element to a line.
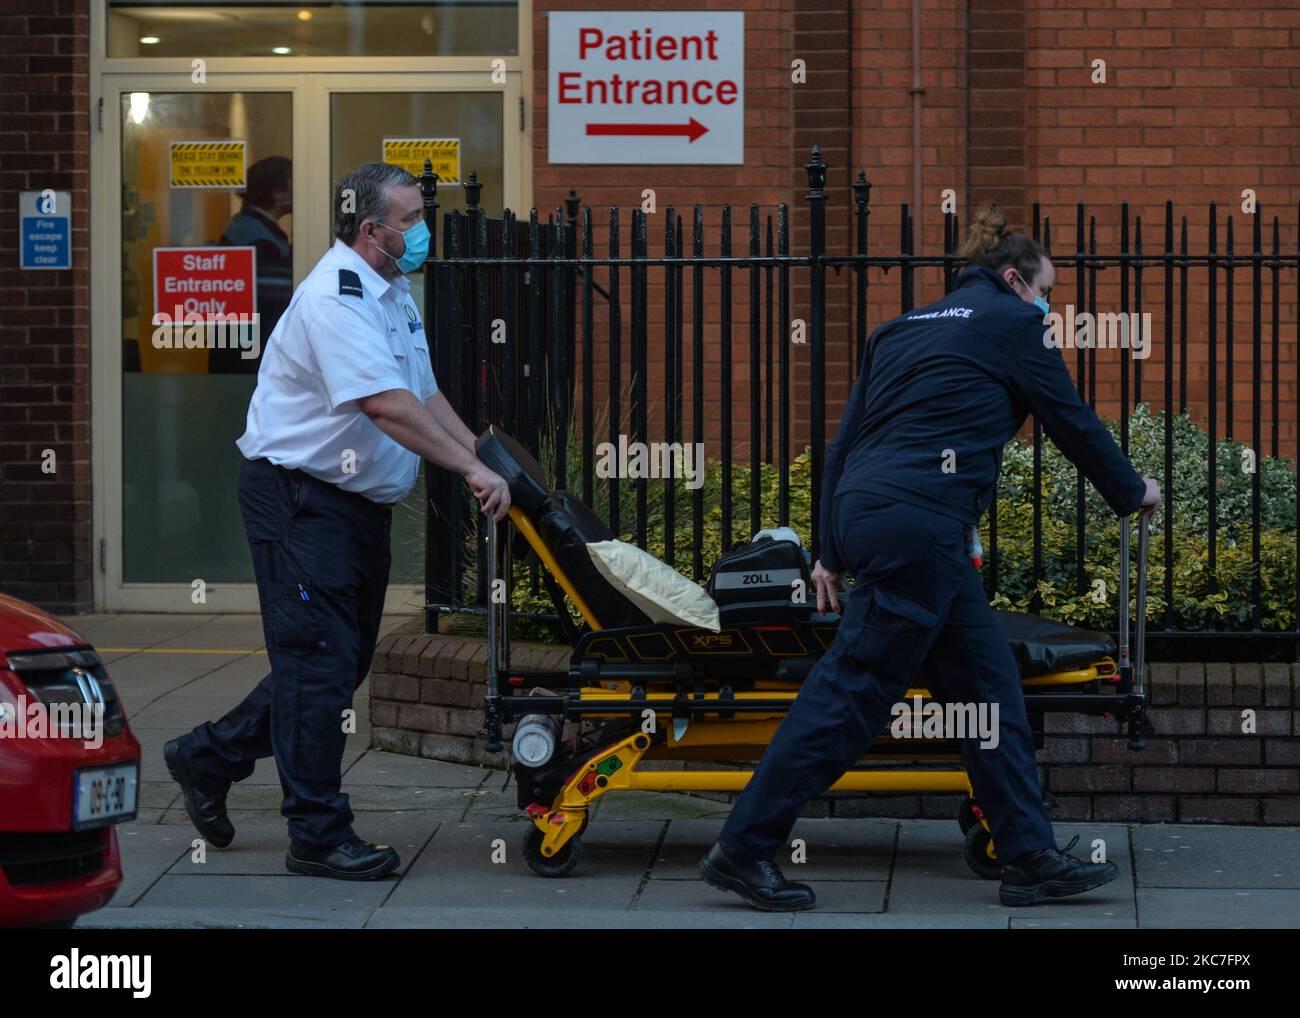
<point>208,163</point>
<point>410,154</point>
<point>45,229</point>
<point>650,87</point>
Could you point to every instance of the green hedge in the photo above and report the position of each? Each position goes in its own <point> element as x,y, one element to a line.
<point>1193,603</point>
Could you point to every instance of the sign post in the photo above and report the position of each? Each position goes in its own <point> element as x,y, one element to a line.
<point>656,87</point>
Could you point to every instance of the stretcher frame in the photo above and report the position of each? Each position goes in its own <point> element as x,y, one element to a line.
<point>719,725</point>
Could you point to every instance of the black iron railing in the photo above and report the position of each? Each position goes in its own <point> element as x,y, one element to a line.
<point>525,314</point>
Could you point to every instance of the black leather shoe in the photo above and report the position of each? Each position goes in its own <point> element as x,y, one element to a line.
<point>352,860</point>
<point>758,881</point>
<point>207,809</point>
<point>1049,873</point>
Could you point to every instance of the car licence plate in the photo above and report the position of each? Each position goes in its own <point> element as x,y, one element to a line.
<point>104,794</point>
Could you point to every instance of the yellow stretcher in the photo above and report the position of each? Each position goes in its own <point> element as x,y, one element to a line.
<point>643,692</point>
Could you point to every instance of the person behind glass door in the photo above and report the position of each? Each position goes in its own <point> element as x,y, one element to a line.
<point>268,198</point>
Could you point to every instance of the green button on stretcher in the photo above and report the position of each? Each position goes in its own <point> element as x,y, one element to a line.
<point>608,767</point>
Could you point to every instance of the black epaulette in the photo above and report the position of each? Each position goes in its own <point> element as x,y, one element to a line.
<point>350,283</point>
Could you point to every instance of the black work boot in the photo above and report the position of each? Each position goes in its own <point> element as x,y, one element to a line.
<point>1049,873</point>
<point>352,860</point>
<point>758,881</point>
<point>206,807</point>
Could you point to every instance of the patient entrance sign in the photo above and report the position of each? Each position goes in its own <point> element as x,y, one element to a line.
<point>652,87</point>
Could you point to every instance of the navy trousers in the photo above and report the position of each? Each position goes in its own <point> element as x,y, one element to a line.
<point>321,558</point>
<point>917,602</point>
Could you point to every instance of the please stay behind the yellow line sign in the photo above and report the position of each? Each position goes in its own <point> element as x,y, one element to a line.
<point>208,163</point>
<point>410,154</point>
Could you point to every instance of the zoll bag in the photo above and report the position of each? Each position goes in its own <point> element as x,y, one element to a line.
<point>763,570</point>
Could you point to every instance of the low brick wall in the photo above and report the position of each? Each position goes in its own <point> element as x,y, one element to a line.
<point>426,699</point>
<point>426,693</point>
<point>1198,766</point>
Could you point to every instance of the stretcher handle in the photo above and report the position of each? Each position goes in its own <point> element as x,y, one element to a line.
<point>1133,665</point>
<point>1133,661</point>
<point>493,744</point>
<point>1125,663</point>
<point>1140,640</point>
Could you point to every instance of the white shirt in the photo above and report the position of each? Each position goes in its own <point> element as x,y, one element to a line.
<point>336,343</point>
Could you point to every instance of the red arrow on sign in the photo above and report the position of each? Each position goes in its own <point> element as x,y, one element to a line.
<point>691,130</point>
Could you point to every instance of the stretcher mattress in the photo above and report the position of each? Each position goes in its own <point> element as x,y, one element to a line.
<point>1044,645</point>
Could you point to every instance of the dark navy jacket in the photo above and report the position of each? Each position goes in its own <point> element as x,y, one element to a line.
<point>942,389</point>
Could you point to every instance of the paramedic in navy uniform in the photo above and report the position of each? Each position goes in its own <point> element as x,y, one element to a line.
<point>345,408</point>
<point>914,464</point>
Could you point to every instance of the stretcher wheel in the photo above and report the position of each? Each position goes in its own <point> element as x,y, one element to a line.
<point>564,862</point>
<point>978,844</point>
<point>966,818</point>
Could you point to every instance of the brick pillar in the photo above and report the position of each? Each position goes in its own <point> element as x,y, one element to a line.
<point>998,163</point>
<point>822,115</point>
<point>45,522</point>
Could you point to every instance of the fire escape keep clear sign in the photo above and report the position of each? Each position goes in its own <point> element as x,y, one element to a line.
<point>647,87</point>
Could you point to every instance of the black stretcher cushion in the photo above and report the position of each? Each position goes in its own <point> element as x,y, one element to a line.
<point>567,526</point>
<point>1044,645</point>
<point>564,524</point>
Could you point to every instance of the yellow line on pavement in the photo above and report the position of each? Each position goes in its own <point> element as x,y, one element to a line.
<point>177,650</point>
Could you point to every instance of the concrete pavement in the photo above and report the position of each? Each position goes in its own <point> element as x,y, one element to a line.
<point>452,823</point>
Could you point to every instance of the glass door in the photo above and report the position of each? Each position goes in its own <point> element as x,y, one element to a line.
<point>213,202</point>
<point>207,230</point>
<point>195,257</point>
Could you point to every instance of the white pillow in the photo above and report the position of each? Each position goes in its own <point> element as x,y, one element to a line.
<point>664,594</point>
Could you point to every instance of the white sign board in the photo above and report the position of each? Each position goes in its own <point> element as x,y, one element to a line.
<point>649,87</point>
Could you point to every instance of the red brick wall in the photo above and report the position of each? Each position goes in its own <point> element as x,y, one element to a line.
<point>45,522</point>
<point>1197,105</point>
<point>823,116</point>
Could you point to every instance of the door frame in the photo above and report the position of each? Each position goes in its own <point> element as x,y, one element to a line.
<point>311,81</point>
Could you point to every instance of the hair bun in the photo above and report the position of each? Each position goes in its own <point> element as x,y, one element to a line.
<point>986,231</point>
<point>990,244</point>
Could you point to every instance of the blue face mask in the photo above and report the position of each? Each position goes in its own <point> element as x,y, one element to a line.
<point>1040,301</point>
<point>417,246</point>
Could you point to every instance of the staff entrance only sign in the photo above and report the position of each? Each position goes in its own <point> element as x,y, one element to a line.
<point>651,87</point>
<point>204,281</point>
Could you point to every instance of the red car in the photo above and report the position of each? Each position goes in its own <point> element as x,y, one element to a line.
<point>69,771</point>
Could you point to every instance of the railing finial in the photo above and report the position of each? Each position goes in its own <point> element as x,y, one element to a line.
<point>816,174</point>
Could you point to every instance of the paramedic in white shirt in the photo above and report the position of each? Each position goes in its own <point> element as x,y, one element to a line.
<point>345,408</point>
